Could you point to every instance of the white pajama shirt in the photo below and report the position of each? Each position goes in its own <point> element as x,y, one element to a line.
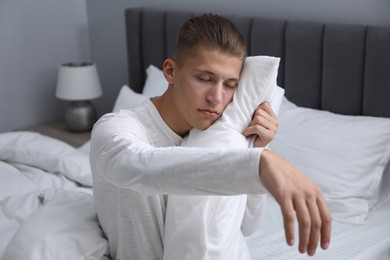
<point>136,161</point>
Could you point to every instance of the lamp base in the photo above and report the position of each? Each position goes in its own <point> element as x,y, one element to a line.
<point>80,116</point>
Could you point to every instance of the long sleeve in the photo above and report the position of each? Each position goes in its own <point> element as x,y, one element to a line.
<point>122,154</point>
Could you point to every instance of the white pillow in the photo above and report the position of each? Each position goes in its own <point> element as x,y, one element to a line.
<point>345,155</point>
<point>128,99</point>
<point>384,193</point>
<point>155,83</point>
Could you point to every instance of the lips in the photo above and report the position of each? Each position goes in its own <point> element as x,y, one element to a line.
<point>209,112</point>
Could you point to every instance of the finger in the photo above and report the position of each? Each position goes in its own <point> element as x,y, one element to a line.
<point>263,119</point>
<point>326,227</point>
<point>288,221</point>
<point>263,133</point>
<point>316,224</point>
<point>263,112</point>
<point>259,124</point>
<point>271,119</point>
<point>304,222</point>
<point>267,108</point>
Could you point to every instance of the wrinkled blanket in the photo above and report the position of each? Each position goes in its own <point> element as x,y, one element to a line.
<point>46,202</point>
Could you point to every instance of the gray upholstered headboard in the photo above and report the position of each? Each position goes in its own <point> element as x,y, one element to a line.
<point>342,68</point>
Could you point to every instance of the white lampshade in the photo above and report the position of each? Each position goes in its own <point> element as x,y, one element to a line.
<point>78,81</point>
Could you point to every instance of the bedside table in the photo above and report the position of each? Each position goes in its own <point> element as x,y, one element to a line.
<point>59,131</point>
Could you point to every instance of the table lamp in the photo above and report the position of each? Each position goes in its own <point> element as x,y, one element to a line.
<point>78,82</point>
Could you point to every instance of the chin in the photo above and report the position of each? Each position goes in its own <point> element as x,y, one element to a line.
<point>203,126</point>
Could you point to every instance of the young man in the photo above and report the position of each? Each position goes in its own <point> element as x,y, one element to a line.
<point>136,159</point>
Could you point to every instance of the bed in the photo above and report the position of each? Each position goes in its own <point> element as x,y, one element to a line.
<point>334,126</point>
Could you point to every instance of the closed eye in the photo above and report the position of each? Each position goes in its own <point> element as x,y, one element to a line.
<point>204,79</point>
<point>231,84</point>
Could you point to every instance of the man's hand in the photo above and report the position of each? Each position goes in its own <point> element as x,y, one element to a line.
<point>297,196</point>
<point>264,124</point>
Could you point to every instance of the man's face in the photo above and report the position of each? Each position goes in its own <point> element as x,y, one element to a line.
<point>203,86</point>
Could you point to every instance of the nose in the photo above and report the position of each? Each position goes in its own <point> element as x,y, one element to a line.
<point>215,94</point>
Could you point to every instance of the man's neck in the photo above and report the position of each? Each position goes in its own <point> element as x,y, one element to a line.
<point>171,116</point>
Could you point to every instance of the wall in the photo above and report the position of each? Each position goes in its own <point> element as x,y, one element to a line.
<point>35,38</point>
<point>107,26</point>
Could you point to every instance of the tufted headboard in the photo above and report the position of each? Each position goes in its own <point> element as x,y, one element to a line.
<point>342,68</point>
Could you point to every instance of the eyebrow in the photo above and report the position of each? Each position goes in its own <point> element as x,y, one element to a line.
<point>213,74</point>
<point>205,71</point>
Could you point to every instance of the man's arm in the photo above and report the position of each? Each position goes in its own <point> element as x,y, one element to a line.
<point>121,155</point>
<point>297,196</point>
<point>295,193</point>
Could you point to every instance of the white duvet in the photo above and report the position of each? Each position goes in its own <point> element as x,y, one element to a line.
<point>46,202</point>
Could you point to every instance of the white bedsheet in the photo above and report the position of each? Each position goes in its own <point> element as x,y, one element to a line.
<point>370,241</point>
<point>45,211</point>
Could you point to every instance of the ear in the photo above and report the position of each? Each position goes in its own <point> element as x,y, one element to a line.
<point>169,67</point>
